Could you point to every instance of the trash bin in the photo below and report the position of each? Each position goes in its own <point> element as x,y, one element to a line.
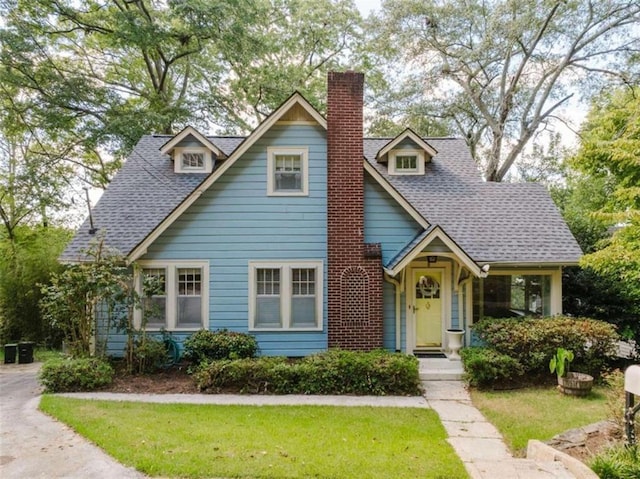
<point>25,352</point>
<point>10,352</point>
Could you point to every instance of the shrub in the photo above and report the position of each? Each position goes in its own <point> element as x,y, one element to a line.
<point>485,366</point>
<point>214,345</point>
<point>149,354</point>
<point>534,341</point>
<point>69,375</point>
<point>619,462</point>
<point>332,372</point>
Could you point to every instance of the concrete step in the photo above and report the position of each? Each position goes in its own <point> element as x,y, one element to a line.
<point>440,369</point>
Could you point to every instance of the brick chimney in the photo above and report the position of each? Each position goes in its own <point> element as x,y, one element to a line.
<point>355,269</point>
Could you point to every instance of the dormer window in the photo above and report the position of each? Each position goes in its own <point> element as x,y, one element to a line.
<point>406,162</point>
<point>192,152</point>
<point>287,170</point>
<point>192,160</point>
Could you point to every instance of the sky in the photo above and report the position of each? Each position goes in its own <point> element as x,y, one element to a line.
<point>366,6</point>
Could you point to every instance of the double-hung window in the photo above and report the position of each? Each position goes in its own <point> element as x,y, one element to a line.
<point>285,295</point>
<point>175,295</point>
<point>287,171</point>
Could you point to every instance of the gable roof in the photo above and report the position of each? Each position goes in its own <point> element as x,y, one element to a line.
<point>189,130</point>
<point>420,242</point>
<point>413,136</point>
<point>498,223</point>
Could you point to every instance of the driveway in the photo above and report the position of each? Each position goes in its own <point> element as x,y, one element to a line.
<point>34,445</point>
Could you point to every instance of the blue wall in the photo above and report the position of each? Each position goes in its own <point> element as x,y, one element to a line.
<point>235,222</point>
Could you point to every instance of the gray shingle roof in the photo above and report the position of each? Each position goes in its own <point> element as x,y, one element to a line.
<point>142,194</point>
<point>492,222</point>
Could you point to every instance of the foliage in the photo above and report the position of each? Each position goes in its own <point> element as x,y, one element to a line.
<point>69,375</point>
<point>608,155</point>
<point>561,361</point>
<point>92,77</point>
<point>332,372</point>
<point>269,442</point>
<point>27,261</point>
<point>534,341</point>
<point>537,412</point>
<point>486,367</point>
<point>148,354</point>
<point>619,462</point>
<point>86,296</point>
<point>207,345</point>
<point>500,72</point>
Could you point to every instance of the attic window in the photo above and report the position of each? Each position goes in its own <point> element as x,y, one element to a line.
<point>192,160</point>
<point>406,162</point>
<point>287,171</point>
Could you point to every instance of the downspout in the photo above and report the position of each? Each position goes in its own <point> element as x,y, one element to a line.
<point>396,284</point>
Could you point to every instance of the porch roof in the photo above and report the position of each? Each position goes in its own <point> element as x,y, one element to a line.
<point>421,241</point>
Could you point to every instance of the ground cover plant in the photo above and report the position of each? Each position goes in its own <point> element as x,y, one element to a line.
<point>330,372</point>
<point>182,440</point>
<point>538,412</point>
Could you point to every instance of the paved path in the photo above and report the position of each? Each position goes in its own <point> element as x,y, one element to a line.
<point>34,445</point>
<point>477,442</point>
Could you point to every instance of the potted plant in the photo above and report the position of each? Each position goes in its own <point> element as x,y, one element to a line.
<point>570,383</point>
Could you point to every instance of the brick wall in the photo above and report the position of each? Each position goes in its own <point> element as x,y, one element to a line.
<point>355,269</point>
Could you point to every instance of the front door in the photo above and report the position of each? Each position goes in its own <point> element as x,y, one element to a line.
<point>427,285</point>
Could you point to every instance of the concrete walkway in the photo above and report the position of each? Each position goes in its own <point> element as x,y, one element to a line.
<point>477,442</point>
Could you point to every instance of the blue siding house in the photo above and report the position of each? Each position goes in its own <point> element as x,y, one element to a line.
<point>310,236</point>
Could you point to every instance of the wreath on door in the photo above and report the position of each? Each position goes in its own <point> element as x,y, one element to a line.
<point>428,287</point>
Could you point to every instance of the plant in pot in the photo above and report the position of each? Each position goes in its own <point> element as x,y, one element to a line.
<point>570,383</point>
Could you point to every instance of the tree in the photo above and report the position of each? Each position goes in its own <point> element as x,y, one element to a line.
<point>96,75</point>
<point>500,71</point>
<point>602,207</point>
<point>611,149</point>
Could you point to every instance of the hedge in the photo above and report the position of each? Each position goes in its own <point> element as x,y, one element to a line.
<point>207,345</point>
<point>71,375</point>
<point>332,372</point>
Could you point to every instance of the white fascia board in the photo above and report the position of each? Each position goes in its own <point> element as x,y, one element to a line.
<point>408,133</point>
<point>142,247</point>
<point>189,130</point>
<point>395,195</point>
<point>437,232</point>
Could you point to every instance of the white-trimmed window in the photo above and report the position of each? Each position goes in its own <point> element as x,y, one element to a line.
<point>406,162</point>
<point>175,295</point>
<point>288,171</point>
<point>192,159</point>
<point>285,295</point>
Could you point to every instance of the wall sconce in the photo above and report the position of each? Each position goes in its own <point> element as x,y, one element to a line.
<point>432,259</point>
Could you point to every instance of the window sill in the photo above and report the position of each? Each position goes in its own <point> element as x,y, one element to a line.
<point>284,330</point>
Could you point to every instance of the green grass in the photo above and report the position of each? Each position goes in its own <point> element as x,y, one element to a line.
<point>39,354</point>
<point>182,440</point>
<point>538,413</point>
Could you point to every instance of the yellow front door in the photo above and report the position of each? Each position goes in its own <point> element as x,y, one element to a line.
<point>428,307</point>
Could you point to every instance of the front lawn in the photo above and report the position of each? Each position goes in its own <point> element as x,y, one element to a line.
<point>538,413</point>
<point>182,440</point>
